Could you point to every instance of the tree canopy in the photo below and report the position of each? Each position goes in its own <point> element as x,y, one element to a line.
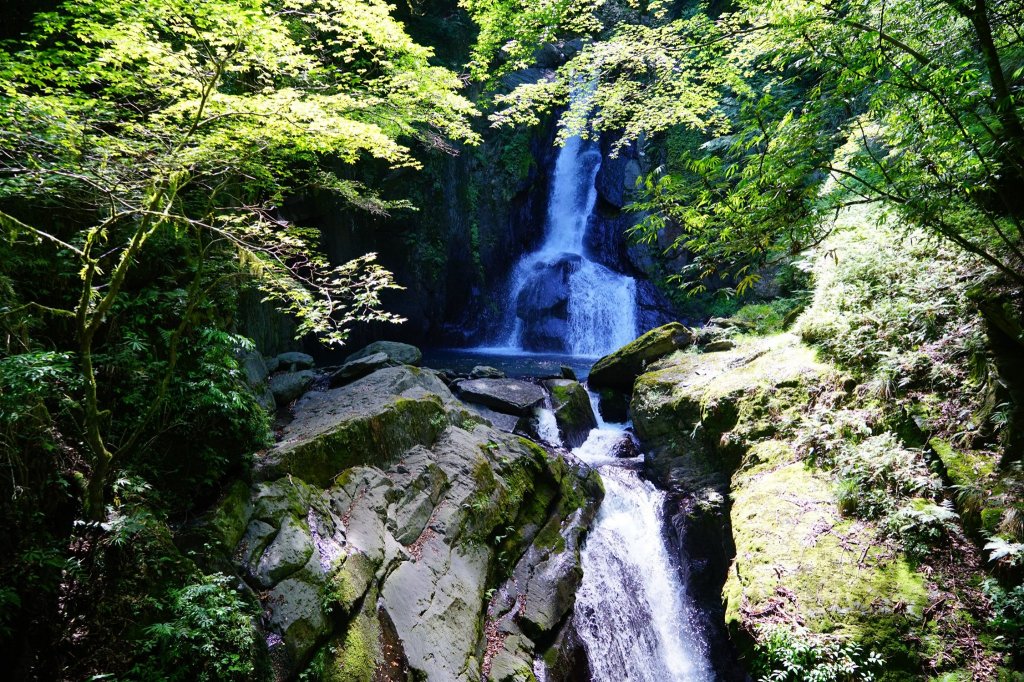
<point>193,121</point>
<point>803,108</point>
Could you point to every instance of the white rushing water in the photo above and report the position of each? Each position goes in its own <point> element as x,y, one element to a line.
<point>601,302</point>
<point>633,613</point>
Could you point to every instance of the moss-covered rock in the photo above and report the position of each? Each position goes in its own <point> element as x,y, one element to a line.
<point>619,369</point>
<point>370,421</point>
<point>573,413</point>
<point>390,564</point>
<point>799,561</point>
<point>698,414</point>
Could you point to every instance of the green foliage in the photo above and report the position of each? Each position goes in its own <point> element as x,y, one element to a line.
<point>209,635</point>
<point>768,318</point>
<point>168,132</point>
<point>1008,612</point>
<point>511,30</point>
<point>877,475</point>
<point>882,303</point>
<point>784,655</point>
<point>641,79</point>
<point>921,525</point>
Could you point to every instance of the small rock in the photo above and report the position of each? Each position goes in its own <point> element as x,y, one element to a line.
<point>729,323</point>
<point>290,385</point>
<point>511,396</point>
<point>625,448</point>
<point>273,364</point>
<point>485,372</point>
<point>718,346</point>
<point>573,412</point>
<point>294,361</point>
<point>400,353</point>
<point>568,373</point>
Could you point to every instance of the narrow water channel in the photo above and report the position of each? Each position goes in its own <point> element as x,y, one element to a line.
<point>633,613</point>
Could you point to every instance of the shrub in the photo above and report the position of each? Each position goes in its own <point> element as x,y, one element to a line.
<point>210,636</point>
<point>785,655</point>
<point>1008,612</point>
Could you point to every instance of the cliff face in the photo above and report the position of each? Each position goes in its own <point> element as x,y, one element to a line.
<point>393,533</point>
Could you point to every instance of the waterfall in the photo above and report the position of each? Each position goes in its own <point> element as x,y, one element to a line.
<point>633,613</point>
<point>559,299</point>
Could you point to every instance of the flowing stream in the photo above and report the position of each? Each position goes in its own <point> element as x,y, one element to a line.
<point>557,292</point>
<point>633,613</point>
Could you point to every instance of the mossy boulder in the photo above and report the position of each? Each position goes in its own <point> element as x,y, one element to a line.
<point>370,421</point>
<point>697,415</point>
<point>619,369</point>
<point>573,412</point>
<point>799,561</point>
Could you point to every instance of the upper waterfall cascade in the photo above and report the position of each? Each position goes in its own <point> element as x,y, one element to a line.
<point>559,299</point>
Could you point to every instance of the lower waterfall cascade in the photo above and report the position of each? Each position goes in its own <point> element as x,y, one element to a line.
<point>633,613</point>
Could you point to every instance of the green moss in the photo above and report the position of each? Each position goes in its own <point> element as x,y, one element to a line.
<point>796,555</point>
<point>550,536</point>
<point>349,583</point>
<point>228,519</point>
<point>963,467</point>
<point>374,440</point>
<point>355,657</point>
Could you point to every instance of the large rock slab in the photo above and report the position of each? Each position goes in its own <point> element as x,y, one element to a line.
<point>370,421</point>
<point>400,353</point>
<point>511,396</point>
<point>620,369</point>
<point>360,367</point>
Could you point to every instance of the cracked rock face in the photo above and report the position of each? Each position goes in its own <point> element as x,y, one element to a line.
<point>386,522</point>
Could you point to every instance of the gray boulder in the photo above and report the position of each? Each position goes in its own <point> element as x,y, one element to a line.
<point>400,353</point>
<point>360,367</point>
<point>511,396</point>
<point>287,553</point>
<point>290,385</point>
<point>254,368</point>
<point>294,361</point>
